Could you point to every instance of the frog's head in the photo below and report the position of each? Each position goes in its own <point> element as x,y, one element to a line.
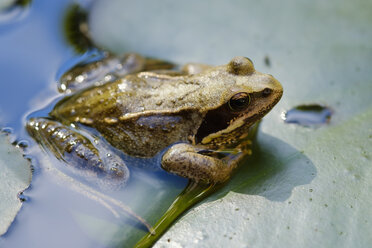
<point>247,96</point>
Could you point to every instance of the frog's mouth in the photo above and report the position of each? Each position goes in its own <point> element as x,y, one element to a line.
<point>217,125</point>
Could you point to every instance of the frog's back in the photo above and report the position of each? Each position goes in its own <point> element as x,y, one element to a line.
<point>140,117</point>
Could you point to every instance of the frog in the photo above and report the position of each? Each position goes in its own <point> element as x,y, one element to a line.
<point>198,117</point>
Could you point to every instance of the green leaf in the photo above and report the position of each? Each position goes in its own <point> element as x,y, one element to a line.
<point>15,177</point>
<point>303,187</point>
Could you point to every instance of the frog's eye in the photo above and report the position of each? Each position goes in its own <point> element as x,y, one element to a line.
<point>239,101</point>
<point>241,66</point>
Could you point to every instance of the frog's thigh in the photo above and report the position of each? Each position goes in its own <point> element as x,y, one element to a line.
<point>184,160</point>
<point>77,150</point>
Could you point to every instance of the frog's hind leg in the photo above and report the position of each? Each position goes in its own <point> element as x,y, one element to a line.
<point>77,151</point>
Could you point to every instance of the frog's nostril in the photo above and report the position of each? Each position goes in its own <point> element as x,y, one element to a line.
<point>266,92</point>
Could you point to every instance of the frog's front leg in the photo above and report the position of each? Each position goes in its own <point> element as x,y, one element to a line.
<point>199,164</point>
<point>97,166</point>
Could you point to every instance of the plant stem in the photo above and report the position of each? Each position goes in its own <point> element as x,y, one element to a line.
<point>191,195</point>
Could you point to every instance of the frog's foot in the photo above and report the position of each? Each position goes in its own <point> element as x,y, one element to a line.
<point>93,165</point>
<point>200,164</point>
<point>108,69</point>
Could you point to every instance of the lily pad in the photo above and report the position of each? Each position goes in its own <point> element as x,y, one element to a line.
<point>15,177</point>
<point>304,187</point>
<point>333,210</point>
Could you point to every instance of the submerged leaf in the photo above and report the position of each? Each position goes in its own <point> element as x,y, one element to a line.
<point>15,177</point>
<point>76,30</point>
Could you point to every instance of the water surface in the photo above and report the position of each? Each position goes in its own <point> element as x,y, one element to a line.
<point>34,53</point>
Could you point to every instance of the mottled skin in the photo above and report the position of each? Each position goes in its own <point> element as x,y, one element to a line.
<point>202,115</point>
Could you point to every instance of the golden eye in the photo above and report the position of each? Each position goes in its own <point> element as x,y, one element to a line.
<point>239,101</point>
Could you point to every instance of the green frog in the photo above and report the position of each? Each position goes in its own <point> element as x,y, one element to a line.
<point>199,117</point>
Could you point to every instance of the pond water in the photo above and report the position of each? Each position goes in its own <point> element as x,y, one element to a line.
<point>33,55</point>
<point>310,115</point>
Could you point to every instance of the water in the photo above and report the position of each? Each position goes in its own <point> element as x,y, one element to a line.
<point>311,115</point>
<point>33,55</point>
